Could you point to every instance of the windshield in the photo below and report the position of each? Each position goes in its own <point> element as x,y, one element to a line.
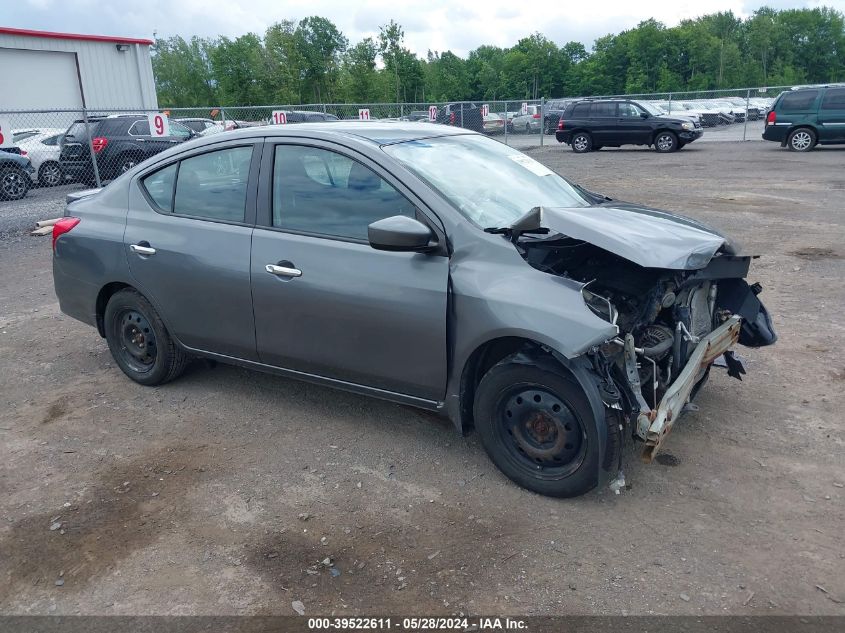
<point>488,182</point>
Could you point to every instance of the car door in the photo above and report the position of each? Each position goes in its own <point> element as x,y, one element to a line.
<point>325,302</point>
<point>633,128</point>
<point>832,115</point>
<point>187,240</point>
<point>603,122</point>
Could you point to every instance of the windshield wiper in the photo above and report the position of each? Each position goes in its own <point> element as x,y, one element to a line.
<point>531,222</point>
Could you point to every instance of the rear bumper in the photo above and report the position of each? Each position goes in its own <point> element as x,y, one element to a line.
<point>775,133</point>
<point>563,136</point>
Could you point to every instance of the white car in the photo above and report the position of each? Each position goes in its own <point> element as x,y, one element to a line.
<point>41,146</point>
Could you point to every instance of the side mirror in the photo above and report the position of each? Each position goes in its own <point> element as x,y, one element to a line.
<point>400,233</point>
<point>644,115</point>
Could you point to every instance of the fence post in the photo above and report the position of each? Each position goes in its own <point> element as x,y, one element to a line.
<point>670,103</point>
<point>745,120</point>
<point>506,122</point>
<point>542,120</point>
<point>462,114</point>
<point>91,149</point>
<point>223,117</point>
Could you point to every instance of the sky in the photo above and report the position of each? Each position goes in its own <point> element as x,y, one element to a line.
<point>436,25</point>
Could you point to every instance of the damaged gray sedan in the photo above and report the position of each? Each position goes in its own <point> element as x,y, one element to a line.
<point>421,264</point>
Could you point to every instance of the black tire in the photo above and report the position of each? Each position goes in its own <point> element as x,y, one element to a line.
<point>581,142</point>
<point>14,183</point>
<point>802,139</point>
<point>538,428</point>
<point>139,342</point>
<point>50,174</point>
<point>665,141</point>
<point>681,144</point>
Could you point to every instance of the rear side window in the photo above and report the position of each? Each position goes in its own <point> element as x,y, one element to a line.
<point>211,185</point>
<point>834,99</point>
<point>322,192</point>
<point>140,128</point>
<point>52,140</point>
<point>77,130</point>
<point>798,101</point>
<point>604,109</point>
<point>582,110</point>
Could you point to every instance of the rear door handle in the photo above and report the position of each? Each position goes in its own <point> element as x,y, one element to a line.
<point>283,271</point>
<point>142,250</point>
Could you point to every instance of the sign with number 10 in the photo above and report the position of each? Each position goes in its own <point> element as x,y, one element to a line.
<point>279,117</point>
<point>159,124</point>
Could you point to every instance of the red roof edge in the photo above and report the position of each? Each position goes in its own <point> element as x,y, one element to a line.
<point>74,36</point>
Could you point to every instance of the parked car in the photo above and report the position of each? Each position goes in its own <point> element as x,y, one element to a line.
<point>552,112</point>
<point>417,115</point>
<point>200,124</point>
<point>801,119</point>
<point>41,146</point>
<point>306,116</point>
<point>119,142</point>
<point>16,175</point>
<point>593,124</point>
<point>669,108</point>
<point>465,115</point>
<point>494,124</point>
<point>556,321</point>
<point>529,122</point>
<point>751,109</point>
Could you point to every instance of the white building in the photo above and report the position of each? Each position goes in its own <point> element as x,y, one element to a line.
<point>40,70</point>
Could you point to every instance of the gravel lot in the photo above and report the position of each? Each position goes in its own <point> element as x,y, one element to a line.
<point>222,492</point>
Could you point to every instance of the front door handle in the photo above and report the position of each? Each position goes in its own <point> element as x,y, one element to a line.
<point>283,271</point>
<point>142,249</point>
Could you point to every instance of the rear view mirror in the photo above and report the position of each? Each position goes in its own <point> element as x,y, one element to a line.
<point>401,234</point>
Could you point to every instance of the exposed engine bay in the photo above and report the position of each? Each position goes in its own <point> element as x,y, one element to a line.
<point>662,316</point>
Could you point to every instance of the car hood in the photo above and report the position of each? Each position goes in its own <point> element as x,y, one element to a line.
<point>676,117</point>
<point>648,237</point>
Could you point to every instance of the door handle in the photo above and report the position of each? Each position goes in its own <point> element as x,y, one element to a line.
<point>283,271</point>
<point>142,250</point>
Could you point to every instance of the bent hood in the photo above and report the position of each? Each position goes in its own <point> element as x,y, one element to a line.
<point>648,237</point>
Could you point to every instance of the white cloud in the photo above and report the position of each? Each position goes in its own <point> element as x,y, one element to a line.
<point>431,25</point>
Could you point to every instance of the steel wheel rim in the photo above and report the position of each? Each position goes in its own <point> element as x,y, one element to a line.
<point>137,340</point>
<point>580,143</point>
<point>664,142</point>
<point>13,185</point>
<point>540,431</point>
<point>801,140</point>
<point>52,174</point>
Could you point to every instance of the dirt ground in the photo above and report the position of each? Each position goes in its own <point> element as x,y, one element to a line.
<point>222,493</point>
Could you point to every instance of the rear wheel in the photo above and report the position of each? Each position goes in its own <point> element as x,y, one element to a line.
<point>665,142</point>
<point>801,140</point>
<point>14,183</point>
<point>581,142</point>
<point>139,341</point>
<point>50,174</point>
<point>537,426</point>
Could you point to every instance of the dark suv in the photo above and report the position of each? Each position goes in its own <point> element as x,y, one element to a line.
<point>16,174</point>
<point>119,142</point>
<point>801,119</point>
<point>592,124</point>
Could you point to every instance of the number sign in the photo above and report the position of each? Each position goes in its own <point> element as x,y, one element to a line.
<point>159,125</point>
<point>364,114</point>
<point>280,117</point>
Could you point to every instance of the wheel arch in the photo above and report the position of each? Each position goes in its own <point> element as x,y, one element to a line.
<point>799,126</point>
<point>663,129</point>
<point>106,293</point>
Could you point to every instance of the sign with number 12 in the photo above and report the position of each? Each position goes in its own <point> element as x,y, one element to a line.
<point>159,124</point>
<point>432,113</point>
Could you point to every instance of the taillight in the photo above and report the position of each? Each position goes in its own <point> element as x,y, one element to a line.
<point>61,227</point>
<point>560,124</point>
<point>536,116</point>
<point>99,143</point>
<point>452,118</point>
<point>23,152</point>
<point>770,118</point>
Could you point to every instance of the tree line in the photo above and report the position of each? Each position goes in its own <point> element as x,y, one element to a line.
<point>311,61</point>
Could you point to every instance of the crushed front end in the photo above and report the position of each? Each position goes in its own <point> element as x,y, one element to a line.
<point>674,325</point>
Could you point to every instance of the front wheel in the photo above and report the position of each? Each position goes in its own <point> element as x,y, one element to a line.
<point>581,143</point>
<point>801,140</point>
<point>538,428</point>
<point>139,341</point>
<point>665,142</point>
<point>50,174</point>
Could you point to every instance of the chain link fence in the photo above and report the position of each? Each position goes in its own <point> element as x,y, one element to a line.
<point>91,147</point>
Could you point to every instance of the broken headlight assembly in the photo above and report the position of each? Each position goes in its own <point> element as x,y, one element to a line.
<point>600,306</point>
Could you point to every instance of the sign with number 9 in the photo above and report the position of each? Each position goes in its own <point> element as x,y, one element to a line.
<point>159,124</point>
<point>6,139</point>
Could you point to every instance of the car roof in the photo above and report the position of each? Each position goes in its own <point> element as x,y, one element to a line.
<point>378,132</point>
